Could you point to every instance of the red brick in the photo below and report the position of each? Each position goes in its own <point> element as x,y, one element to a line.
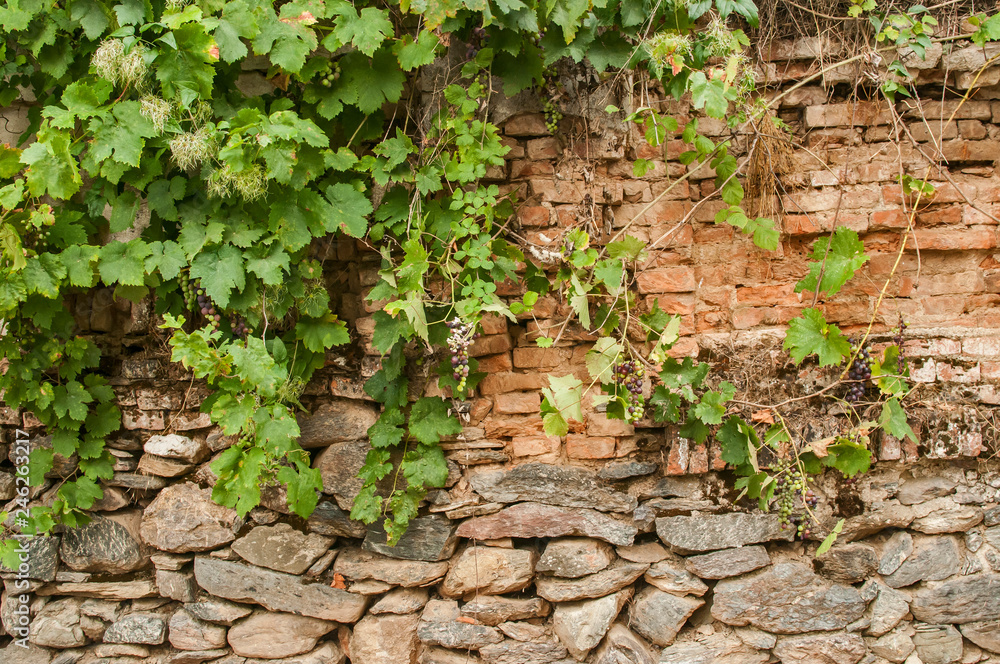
<point>938,110</point>
<point>981,346</point>
<point>600,425</point>
<point>521,169</point>
<point>533,357</point>
<point>493,324</point>
<point>516,403</point>
<point>513,425</point>
<point>989,370</point>
<point>945,240</point>
<point>516,151</point>
<point>677,458</point>
<point>945,284</point>
<point>666,280</point>
<point>949,215</point>
<point>511,382</point>
<point>522,446</point>
<point>589,447</point>
<point>558,191</point>
<point>858,114</point>
<point>495,363</point>
<point>931,347</point>
<point>544,148</point>
<point>490,344</point>
<point>770,294</point>
<point>953,373</point>
<point>962,150</point>
<point>698,463</point>
<point>535,215</point>
<point>889,220</point>
<point>660,213</point>
<point>672,304</point>
<point>526,124</point>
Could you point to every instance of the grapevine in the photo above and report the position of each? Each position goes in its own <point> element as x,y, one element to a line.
<point>628,380</point>
<point>552,115</point>
<point>860,373</point>
<point>461,337</point>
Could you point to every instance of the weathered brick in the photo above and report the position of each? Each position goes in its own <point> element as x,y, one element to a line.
<point>981,346</point>
<point>666,280</point>
<point>516,150</point>
<point>526,124</point>
<point>599,424</point>
<point>673,304</point>
<point>945,284</point>
<point>516,403</point>
<point>677,458</point>
<point>961,109</point>
<point>535,358</point>
<point>589,447</point>
<point>859,114</point>
<point>932,347</point>
<point>698,460</point>
<point>493,324</point>
<point>954,373</point>
<point>962,150</point>
<point>490,344</point>
<point>770,294</point>
<point>495,363</point>
<point>522,169</point>
<point>661,213</point>
<point>510,382</point>
<point>949,239</point>
<point>190,420</point>
<point>534,215</point>
<point>544,148</point>
<point>513,425</point>
<point>523,446</point>
<point>143,419</point>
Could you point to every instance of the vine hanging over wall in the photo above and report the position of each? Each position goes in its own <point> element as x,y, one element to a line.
<point>145,169</point>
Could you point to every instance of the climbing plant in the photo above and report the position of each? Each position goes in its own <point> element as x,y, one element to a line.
<point>152,166</point>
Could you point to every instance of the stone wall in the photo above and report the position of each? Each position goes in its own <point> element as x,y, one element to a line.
<point>616,544</point>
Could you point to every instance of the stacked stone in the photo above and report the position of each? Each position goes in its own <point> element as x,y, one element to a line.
<point>569,567</point>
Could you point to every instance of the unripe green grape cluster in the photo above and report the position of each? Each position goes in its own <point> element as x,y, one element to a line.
<point>334,74</point>
<point>791,483</point>
<point>552,115</point>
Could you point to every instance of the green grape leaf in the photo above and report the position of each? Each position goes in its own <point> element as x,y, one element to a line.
<point>829,540</point>
<point>366,30</point>
<point>665,405</point>
<point>425,466</point>
<point>709,94</point>
<point>565,395</point>
<point>689,372</point>
<point>601,358</point>
<point>82,100</point>
<point>739,444</point>
<point>43,274</point>
<point>610,273</point>
<point>80,261</point>
<point>893,421</point>
<point>303,484</point>
<point>349,210</point>
<point>167,257</point>
<point>846,255</point>
<point>712,406</point>
<point>52,169</point>
<point>124,262</point>
<point>429,420</point>
<point>810,333</point>
<point>886,373</point>
<point>387,430</point>
<point>121,136</point>
<point>71,399</point>
<point>220,271</point>
<point>232,414</point>
<point>318,334</point>
<point>413,54</point>
<point>185,64</point>
<point>694,429</point>
<point>848,457</point>
<point>270,264</point>
<point>628,249</point>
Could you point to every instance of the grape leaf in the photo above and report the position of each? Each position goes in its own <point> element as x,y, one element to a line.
<point>220,270</point>
<point>413,54</point>
<point>739,443</point>
<point>318,334</point>
<point>846,255</point>
<point>665,405</point>
<point>349,209</point>
<point>80,261</point>
<point>628,249</point>
<point>124,262</point>
<point>893,420</point>
<point>366,31</point>
<point>712,406</point>
<point>810,333</point>
<point>688,372</point>
<point>848,457</point>
<point>829,540</point>
<point>429,420</point>
<point>601,358</point>
<point>53,169</point>
<point>43,274</point>
<point>709,94</point>
<point>565,395</point>
<point>185,64</point>
<point>387,430</point>
<point>610,273</point>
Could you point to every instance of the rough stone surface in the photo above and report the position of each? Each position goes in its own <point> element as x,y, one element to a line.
<point>896,549</point>
<point>276,635</point>
<point>103,589</point>
<point>509,651</point>
<point>455,634</point>
<point>944,515</point>
<point>385,639</point>
<point>176,585</point>
<point>921,489</point>
<point>358,565</point>
<point>932,559</point>
<point>277,591</point>
<point>339,465</point>
<point>875,521</point>
<point>659,615</point>
<point>15,654</point>
<point>887,610</point>
<point>728,562</point>
<point>551,485</point>
<point>580,626</point>
<point>329,520</point>
<point>431,538</point>
<point>623,646</point>
<point>141,628</point>
<point>895,646</point>
<point>401,600</point>
<point>282,548</point>
<point>940,644</point>
<point>444,656</point>
<point>337,421</point>
<point>962,600</point>
<point>537,520</point>
<point>623,470</point>
<point>615,577</point>
<point>223,612</point>
<point>670,576</point>
<point>57,625</point>
<point>108,544</point>
<point>494,610</point>
<point>648,552</point>
<point>713,649</point>
<point>835,648</point>
<point>190,633</point>
<point>184,518</point>
<point>849,563</point>
<point>174,446</point>
<point>489,570</point>
<point>575,557</point>
<point>787,598</point>
<point>696,534</point>
<point>985,634</point>
<point>43,558</point>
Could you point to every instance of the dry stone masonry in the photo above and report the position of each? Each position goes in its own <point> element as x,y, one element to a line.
<point>616,544</point>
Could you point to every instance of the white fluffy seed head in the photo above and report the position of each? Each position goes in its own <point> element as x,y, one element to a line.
<point>157,110</point>
<point>113,64</point>
<point>250,184</point>
<point>191,149</point>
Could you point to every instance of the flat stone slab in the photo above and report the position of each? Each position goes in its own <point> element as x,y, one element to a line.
<point>358,565</point>
<point>728,562</point>
<point>277,591</point>
<point>431,538</point>
<point>529,520</point>
<point>696,534</point>
<point>552,485</point>
<point>282,548</point>
<point>615,577</point>
<point>963,600</point>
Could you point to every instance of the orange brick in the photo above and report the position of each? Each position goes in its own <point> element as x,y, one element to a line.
<point>516,403</point>
<point>589,447</point>
<point>989,370</point>
<point>493,324</point>
<point>544,148</point>
<point>600,425</point>
<point>511,382</point>
<point>495,363</point>
<point>666,280</point>
<point>698,463</point>
<point>534,215</point>
<point>526,169</point>
<point>944,240</point>
<point>888,219</point>
<point>953,373</point>
<point>513,425</point>
<point>522,446</point>
<point>942,216</point>
<point>533,357</point>
<point>672,304</point>
<point>526,124</point>
<point>490,345</point>
<point>770,294</point>
<point>677,458</point>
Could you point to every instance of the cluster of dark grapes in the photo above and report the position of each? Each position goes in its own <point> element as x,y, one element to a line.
<point>331,76</point>
<point>207,307</point>
<point>552,115</point>
<point>476,41</point>
<point>239,326</point>
<point>861,372</point>
<point>461,337</point>
<point>898,340</point>
<point>628,375</point>
<point>790,484</point>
